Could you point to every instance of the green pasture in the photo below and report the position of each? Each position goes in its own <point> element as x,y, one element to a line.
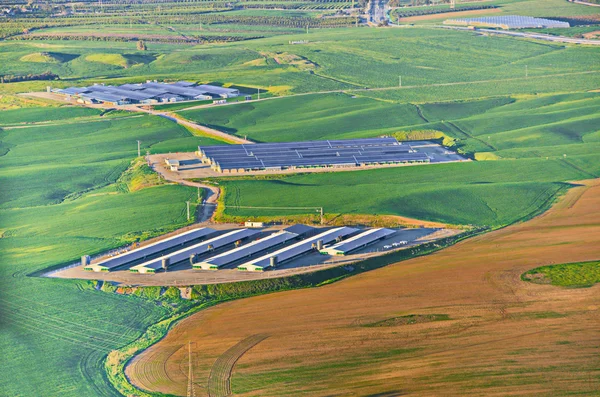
<point>343,58</point>
<point>491,193</point>
<point>59,201</point>
<point>541,142</point>
<point>72,159</point>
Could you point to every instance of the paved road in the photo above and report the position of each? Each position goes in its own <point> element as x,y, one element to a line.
<point>585,3</point>
<point>527,35</point>
<point>376,11</point>
<point>187,123</point>
<point>212,192</point>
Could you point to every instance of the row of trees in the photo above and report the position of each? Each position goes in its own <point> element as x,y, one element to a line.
<point>9,78</point>
<point>141,44</point>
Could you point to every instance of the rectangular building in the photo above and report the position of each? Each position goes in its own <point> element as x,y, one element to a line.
<point>204,247</point>
<point>309,154</point>
<point>357,242</point>
<point>148,250</point>
<point>245,251</point>
<point>303,247</point>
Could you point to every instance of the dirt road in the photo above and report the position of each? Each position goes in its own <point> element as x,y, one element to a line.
<point>502,336</point>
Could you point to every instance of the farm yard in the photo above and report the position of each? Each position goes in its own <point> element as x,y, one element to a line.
<point>72,184</point>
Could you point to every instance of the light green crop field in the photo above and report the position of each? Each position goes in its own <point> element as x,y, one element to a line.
<point>492,193</point>
<point>59,201</point>
<point>541,141</point>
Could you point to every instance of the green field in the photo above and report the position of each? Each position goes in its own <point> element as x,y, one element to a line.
<point>573,275</point>
<point>540,141</point>
<point>61,168</point>
<point>60,199</point>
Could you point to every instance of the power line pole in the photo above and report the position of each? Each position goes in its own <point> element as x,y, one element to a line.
<point>139,153</point>
<point>188,210</point>
<point>259,94</point>
<point>526,72</point>
<point>190,388</point>
<point>198,193</point>
<point>399,81</point>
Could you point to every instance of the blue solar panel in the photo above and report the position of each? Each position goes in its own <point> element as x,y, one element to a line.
<point>350,152</point>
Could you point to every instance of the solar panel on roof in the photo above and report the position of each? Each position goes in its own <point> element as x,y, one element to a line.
<point>200,248</point>
<point>305,154</point>
<point>244,251</point>
<point>359,241</point>
<point>297,249</point>
<point>153,248</point>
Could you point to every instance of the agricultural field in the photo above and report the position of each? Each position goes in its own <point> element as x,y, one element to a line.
<point>572,275</point>
<point>456,322</point>
<point>63,195</point>
<point>540,143</point>
<point>72,184</point>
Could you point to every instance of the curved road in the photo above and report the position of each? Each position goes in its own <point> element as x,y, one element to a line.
<point>190,124</point>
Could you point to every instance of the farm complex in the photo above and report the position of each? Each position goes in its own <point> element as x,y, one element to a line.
<point>299,198</point>
<point>223,254</point>
<point>319,154</point>
<point>145,93</point>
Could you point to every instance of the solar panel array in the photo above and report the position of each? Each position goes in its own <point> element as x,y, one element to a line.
<point>134,93</point>
<point>246,250</point>
<point>150,249</point>
<point>358,241</point>
<point>200,248</point>
<point>513,21</point>
<point>294,250</point>
<point>348,152</point>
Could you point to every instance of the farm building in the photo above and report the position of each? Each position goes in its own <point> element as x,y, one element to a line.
<point>127,257</point>
<point>146,93</point>
<point>301,230</point>
<point>272,260</point>
<point>508,22</point>
<point>357,242</point>
<point>245,251</point>
<point>309,154</point>
<point>172,164</point>
<point>190,253</point>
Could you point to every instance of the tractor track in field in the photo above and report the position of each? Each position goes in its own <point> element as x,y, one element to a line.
<point>219,380</point>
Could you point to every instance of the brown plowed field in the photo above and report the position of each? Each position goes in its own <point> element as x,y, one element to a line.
<point>503,337</point>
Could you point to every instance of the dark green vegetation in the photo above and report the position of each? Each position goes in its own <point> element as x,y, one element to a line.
<point>60,199</point>
<point>573,275</point>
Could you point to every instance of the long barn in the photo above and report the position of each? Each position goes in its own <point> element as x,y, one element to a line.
<point>309,154</point>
